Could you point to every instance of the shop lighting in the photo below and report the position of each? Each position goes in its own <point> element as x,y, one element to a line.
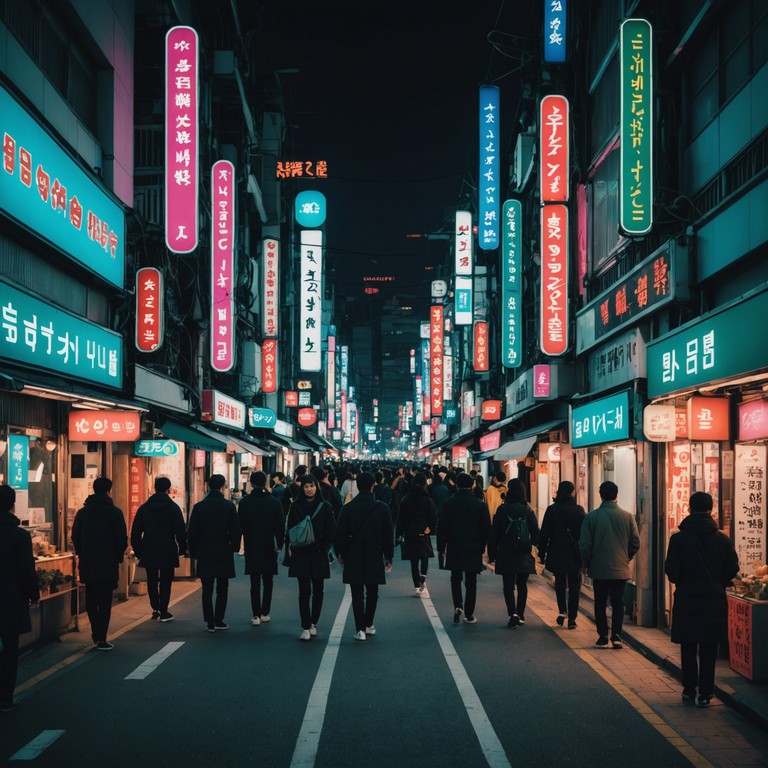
<point>80,401</point>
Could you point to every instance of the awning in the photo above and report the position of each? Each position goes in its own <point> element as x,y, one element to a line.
<point>233,444</point>
<point>514,449</point>
<point>503,422</point>
<point>281,441</point>
<point>192,437</point>
<point>548,427</point>
<point>248,447</point>
<point>435,444</point>
<point>464,439</point>
<point>316,440</point>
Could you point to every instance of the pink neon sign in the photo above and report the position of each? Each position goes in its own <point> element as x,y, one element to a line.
<point>181,139</point>
<point>222,265</point>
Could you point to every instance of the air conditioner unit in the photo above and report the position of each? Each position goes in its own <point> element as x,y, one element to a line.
<point>522,160</point>
<point>147,430</point>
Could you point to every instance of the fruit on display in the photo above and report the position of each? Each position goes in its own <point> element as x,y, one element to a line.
<point>754,585</point>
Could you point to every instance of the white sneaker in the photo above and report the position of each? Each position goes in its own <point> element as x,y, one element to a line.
<point>417,592</point>
<point>370,630</point>
<point>424,592</point>
<point>312,630</point>
<point>265,619</point>
<point>360,635</point>
<point>304,634</point>
<point>255,621</point>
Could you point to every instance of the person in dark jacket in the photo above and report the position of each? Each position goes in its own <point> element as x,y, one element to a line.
<point>100,539</point>
<point>158,537</point>
<point>559,550</point>
<point>18,587</point>
<point>263,525</point>
<point>214,537</point>
<point>309,565</point>
<point>513,566</point>
<point>416,521</point>
<point>701,562</point>
<point>440,491</point>
<point>329,492</point>
<point>462,535</point>
<point>364,546</point>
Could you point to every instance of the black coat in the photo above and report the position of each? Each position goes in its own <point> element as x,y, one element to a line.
<point>462,531</point>
<point>559,537</point>
<point>263,525</point>
<point>100,539</point>
<point>364,539</point>
<point>701,562</point>
<point>158,533</point>
<point>214,536</point>
<point>508,562</point>
<point>311,562</point>
<point>417,514</point>
<point>18,578</point>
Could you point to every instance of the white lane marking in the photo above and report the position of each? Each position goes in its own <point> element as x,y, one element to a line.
<point>489,741</point>
<point>154,661</point>
<point>37,746</point>
<point>309,736</point>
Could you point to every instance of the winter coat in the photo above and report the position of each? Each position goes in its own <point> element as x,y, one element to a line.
<point>214,536</point>
<point>332,495</point>
<point>364,539</point>
<point>263,526</point>
<point>18,578</point>
<point>100,539</point>
<point>158,533</point>
<point>559,537</point>
<point>609,540</point>
<point>701,562</point>
<point>417,515</point>
<point>440,492</point>
<point>311,562</point>
<point>462,531</point>
<point>499,552</point>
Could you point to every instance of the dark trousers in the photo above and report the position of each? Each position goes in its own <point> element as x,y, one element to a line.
<point>468,603</point>
<point>573,581</point>
<point>9,664</point>
<point>418,569</point>
<point>159,588</point>
<point>98,605</point>
<point>261,601</point>
<point>698,673</point>
<point>215,615</point>
<point>310,588</point>
<point>364,606</point>
<point>510,581</point>
<point>613,589</point>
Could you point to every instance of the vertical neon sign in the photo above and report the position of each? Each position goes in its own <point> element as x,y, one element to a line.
<point>222,266</point>
<point>489,174</point>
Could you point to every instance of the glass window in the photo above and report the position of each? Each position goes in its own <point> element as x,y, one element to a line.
<point>605,210</point>
<point>736,71</point>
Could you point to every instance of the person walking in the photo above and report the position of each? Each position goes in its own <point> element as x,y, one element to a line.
<point>701,562</point>
<point>559,550</point>
<point>214,537</point>
<point>514,532</point>
<point>158,538</point>
<point>18,588</point>
<point>100,538</point>
<point>495,492</point>
<point>262,524</point>
<point>608,542</point>
<point>364,544</point>
<point>278,488</point>
<point>416,521</point>
<point>309,565</point>
<point>462,535</point>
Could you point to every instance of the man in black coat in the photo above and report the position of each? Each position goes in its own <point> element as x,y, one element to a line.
<point>214,537</point>
<point>158,537</point>
<point>263,525</point>
<point>100,539</point>
<point>18,587</point>
<point>365,545</point>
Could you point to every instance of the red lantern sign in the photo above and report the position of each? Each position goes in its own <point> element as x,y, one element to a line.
<point>149,309</point>
<point>307,417</point>
<point>481,346</point>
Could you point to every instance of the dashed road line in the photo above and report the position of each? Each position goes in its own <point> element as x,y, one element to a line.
<point>154,661</point>
<point>37,746</point>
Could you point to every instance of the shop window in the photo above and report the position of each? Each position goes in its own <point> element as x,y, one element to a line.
<point>605,210</point>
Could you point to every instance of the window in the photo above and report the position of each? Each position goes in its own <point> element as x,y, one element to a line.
<point>605,210</point>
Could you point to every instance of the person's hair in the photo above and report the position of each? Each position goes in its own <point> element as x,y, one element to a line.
<point>102,485</point>
<point>516,490</point>
<point>7,498</point>
<point>464,480</point>
<point>217,482</point>
<point>332,477</point>
<point>365,481</point>
<point>609,491</point>
<point>378,477</point>
<point>308,479</point>
<point>500,477</point>
<point>278,476</point>
<point>258,479</point>
<point>319,473</point>
<point>479,482</point>
<point>301,470</point>
<point>420,479</point>
<point>701,503</point>
<point>162,484</point>
<point>565,491</point>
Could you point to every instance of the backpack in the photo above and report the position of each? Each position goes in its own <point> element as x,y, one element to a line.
<point>303,533</point>
<point>517,536</point>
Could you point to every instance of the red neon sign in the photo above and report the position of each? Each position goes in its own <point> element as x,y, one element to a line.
<point>553,333</point>
<point>269,365</point>
<point>555,149</point>
<point>481,346</point>
<point>149,309</point>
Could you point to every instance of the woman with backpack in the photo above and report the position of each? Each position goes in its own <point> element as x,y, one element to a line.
<point>514,532</point>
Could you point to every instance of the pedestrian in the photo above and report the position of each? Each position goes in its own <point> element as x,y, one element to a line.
<point>494,494</point>
<point>294,489</point>
<point>214,537</point>
<point>514,533</point>
<point>262,524</point>
<point>278,487</point>
<point>477,487</point>
<point>462,535</point>
<point>439,490</point>
<point>349,486</point>
<point>416,523</point>
<point>100,539</point>
<point>329,492</point>
<point>608,542</point>
<point>559,550</point>
<point>158,538</point>
<point>18,588</point>
<point>310,565</point>
<point>364,545</point>
<point>701,562</point>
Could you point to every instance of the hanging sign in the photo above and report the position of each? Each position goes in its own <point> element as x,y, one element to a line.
<point>463,301</point>
<point>149,309</point>
<point>270,287</point>
<point>107,426</point>
<point>708,418</point>
<point>18,462</point>
<point>489,174</point>
<point>753,420</point>
<point>291,398</point>
<point>659,424</point>
<point>542,381</point>
<point>269,366</point>
<point>219,408</point>
<point>311,300</point>
<point>491,441</point>
<point>458,453</point>
<point>554,280</point>
<point>310,209</point>
<point>156,448</point>
<point>511,285</point>
<point>555,149</point>
<point>436,360</point>
<point>222,266</point>
<point>480,357</point>
<point>555,14</point>
<point>491,410</point>
<point>261,417</point>
<point>463,243</point>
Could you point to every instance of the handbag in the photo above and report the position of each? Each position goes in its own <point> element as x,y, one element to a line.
<point>303,533</point>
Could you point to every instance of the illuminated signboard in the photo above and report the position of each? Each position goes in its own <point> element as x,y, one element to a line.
<point>44,189</point>
<point>636,127</point>
<point>542,381</point>
<point>181,139</point>
<point>555,31</point>
<point>311,300</point>
<point>463,304</point>
<point>291,169</point>
<point>491,441</point>
<point>107,426</point>
<point>310,209</point>
<point>555,149</point>
<point>553,333</point>
<point>291,398</point>
<point>269,365</point>
<point>221,409</point>
<point>261,417</point>
<point>436,360</point>
<point>463,243</point>
<point>480,357</point>
<point>156,448</point>
<point>602,421</point>
<point>149,309</point>
<point>489,173</point>
<point>18,462</point>
<point>222,266</point>
<point>708,418</point>
<point>330,387</point>
<point>511,285</point>
<point>270,287</point>
<point>490,410</point>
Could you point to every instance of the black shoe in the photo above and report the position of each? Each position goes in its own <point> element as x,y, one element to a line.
<point>521,619</point>
<point>616,642</point>
<point>155,615</point>
<point>571,624</point>
<point>211,628</point>
<point>511,624</point>
<point>9,706</point>
<point>689,697</point>
<point>219,625</point>
<point>602,642</point>
<point>457,615</point>
<point>560,619</point>
<point>166,617</point>
<point>103,645</point>
<point>702,701</point>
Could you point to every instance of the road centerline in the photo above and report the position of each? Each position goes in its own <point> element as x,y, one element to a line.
<point>37,746</point>
<point>154,661</point>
